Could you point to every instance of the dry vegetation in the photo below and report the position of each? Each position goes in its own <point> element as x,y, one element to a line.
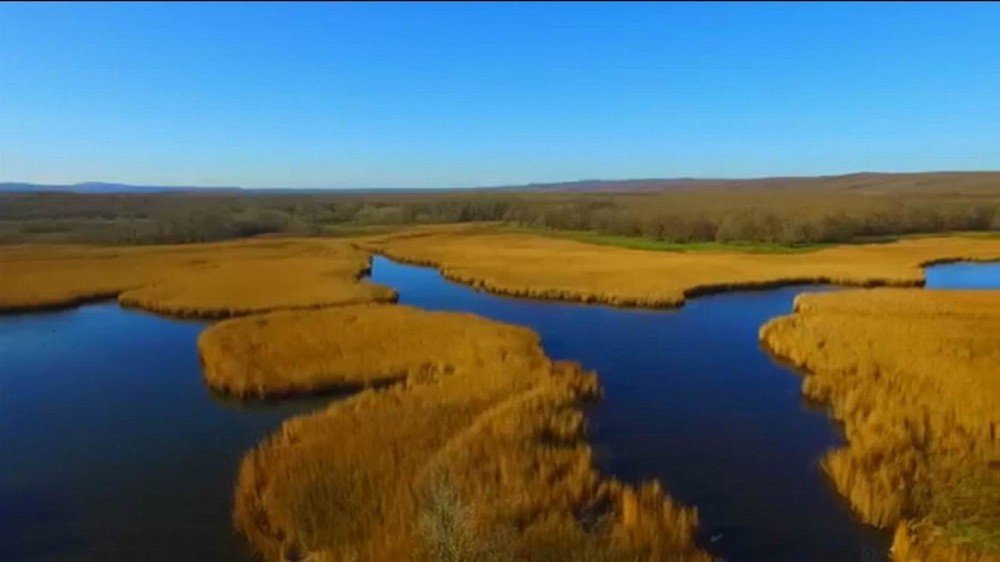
<point>342,347</point>
<point>478,451</point>
<point>529,265</point>
<point>915,378</point>
<point>202,280</point>
<point>477,454</point>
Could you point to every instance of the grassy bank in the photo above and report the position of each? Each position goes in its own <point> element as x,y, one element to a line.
<point>478,453</point>
<point>197,280</point>
<point>219,280</point>
<point>530,265</point>
<point>640,243</point>
<point>913,377</point>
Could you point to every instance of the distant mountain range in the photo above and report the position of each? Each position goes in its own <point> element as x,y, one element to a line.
<point>863,180</point>
<point>103,187</point>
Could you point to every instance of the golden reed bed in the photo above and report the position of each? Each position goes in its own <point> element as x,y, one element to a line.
<point>530,265</point>
<point>197,280</point>
<point>478,453</point>
<point>914,376</point>
<point>478,450</point>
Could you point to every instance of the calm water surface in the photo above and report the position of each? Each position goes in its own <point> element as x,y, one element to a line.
<point>111,448</point>
<point>692,400</point>
<point>964,276</point>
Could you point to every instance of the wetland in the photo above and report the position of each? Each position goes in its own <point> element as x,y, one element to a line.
<point>122,447</point>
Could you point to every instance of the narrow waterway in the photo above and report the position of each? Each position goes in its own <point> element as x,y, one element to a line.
<point>692,400</point>
<point>112,448</point>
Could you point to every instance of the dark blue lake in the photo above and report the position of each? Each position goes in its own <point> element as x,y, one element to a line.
<point>111,447</point>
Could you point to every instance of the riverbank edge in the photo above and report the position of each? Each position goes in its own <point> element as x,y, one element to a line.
<point>912,540</point>
<point>125,300</point>
<point>372,247</point>
<point>660,303</point>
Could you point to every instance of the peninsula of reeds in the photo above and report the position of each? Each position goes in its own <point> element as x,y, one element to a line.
<point>478,452</point>
<point>915,378</point>
<point>530,265</point>
<point>215,280</point>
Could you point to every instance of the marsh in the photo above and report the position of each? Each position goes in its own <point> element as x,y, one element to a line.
<point>120,445</point>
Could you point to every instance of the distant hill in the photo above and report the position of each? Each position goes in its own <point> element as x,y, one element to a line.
<point>102,187</point>
<point>652,184</point>
<point>862,180</point>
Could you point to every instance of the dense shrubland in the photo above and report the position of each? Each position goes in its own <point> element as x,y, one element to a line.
<point>782,211</point>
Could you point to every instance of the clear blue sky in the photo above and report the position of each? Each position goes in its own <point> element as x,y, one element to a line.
<point>437,95</point>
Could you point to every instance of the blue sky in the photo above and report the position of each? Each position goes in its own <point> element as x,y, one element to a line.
<point>441,95</point>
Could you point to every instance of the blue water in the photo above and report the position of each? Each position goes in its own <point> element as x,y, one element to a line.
<point>963,275</point>
<point>692,400</point>
<point>111,447</point>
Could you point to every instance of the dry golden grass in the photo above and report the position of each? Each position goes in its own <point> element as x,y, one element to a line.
<point>201,280</point>
<point>530,265</point>
<point>477,454</point>
<point>915,378</point>
<point>309,351</point>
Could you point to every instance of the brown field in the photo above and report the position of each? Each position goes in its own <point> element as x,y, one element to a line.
<point>198,280</point>
<point>915,378</point>
<point>478,454</point>
<point>530,265</point>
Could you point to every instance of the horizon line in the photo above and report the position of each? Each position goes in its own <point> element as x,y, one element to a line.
<point>182,187</point>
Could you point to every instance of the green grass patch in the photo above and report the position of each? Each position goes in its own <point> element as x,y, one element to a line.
<point>342,230</point>
<point>979,234</point>
<point>978,534</point>
<point>639,243</point>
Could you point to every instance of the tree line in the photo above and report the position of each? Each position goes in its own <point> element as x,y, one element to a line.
<point>782,215</point>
